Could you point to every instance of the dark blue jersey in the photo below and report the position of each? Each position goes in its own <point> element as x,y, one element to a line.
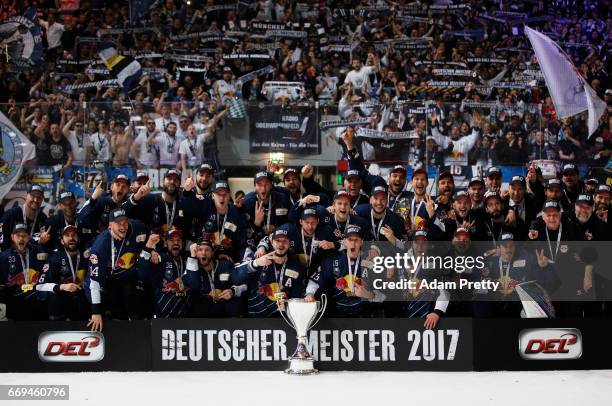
<point>63,268</point>
<point>211,283</point>
<point>390,220</point>
<point>226,231</point>
<point>16,215</point>
<point>276,211</point>
<point>56,224</point>
<point>94,213</point>
<point>157,214</point>
<point>112,258</point>
<point>21,272</point>
<point>336,229</point>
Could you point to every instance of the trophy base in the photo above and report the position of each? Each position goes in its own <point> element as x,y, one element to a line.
<point>301,367</point>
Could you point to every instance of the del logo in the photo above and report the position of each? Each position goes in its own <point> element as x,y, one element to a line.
<point>71,346</point>
<point>550,343</point>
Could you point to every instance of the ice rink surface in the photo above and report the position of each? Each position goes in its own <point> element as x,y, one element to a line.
<point>581,388</point>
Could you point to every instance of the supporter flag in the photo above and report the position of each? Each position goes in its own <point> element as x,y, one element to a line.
<point>570,93</point>
<point>126,69</point>
<point>21,37</point>
<point>15,149</point>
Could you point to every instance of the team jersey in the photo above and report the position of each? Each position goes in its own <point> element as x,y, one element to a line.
<point>21,272</point>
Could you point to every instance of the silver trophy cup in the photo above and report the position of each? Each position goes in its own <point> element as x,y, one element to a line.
<point>302,316</point>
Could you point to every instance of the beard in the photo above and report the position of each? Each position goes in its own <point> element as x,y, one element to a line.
<point>171,190</point>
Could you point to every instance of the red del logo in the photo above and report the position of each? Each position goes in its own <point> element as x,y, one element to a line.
<point>71,346</point>
<point>550,343</point>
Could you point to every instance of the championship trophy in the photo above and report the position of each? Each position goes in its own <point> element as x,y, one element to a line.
<point>302,316</point>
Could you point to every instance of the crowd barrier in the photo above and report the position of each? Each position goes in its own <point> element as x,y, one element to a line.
<point>457,344</point>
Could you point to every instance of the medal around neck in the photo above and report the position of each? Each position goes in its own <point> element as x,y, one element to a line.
<point>302,316</point>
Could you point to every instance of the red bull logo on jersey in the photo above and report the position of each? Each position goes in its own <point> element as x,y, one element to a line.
<point>126,261</point>
<point>270,290</point>
<point>344,283</point>
<point>19,279</point>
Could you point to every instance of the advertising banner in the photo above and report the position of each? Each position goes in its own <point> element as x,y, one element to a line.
<point>291,130</point>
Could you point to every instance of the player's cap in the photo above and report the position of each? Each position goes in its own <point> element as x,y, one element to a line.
<point>490,195</point>
<point>494,171</point>
<point>592,181</point>
<point>353,230</point>
<point>342,193</point>
<point>602,189</point>
<point>20,227</point>
<point>290,171</point>
<point>398,168</point>
<point>121,178</point>
<point>220,186</point>
<point>553,182</point>
<point>585,199</point>
<point>379,189</point>
<point>309,212</point>
<point>227,69</point>
<point>599,140</point>
<point>421,235</point>
<point>36,189</point>
<point>279,233</point>
<point>462,193</point>
<point>205,240</point>
<point>419,171</point>
<point>174,232</point>
<point>518,179</point>
<point>507,237</point>
<point>462,231</point>
<point>141,175</point>
<point>551,205</point>
<point>568,168</point>
<point>263,175</point>
<point>476,179</point>
<point>70,229</point>
<point>353,173</point>
<point>445,175</point>
<point>67,195</point>
<point>117,214</point>
<point>173,172</point>
<point>206,168</point>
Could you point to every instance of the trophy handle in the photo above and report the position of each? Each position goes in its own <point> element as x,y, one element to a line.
<point>321,310</point>
<point>285,317</point>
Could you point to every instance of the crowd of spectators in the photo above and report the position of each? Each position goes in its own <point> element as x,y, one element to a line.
<point>362,59</point>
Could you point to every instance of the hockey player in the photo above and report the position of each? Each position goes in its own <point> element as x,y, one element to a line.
<point>340,218</point>
<point>384,224</point>
<point>21,266</point>
<point>30,214</point>
<point>64,278</point>
<point>164,272</point>
<point>111,280</point>
<point>346,280</point>
<point>195,191</point>
<point>213,282</point>
<point>96,211</point>
<point>65,216</point>
<point>160,212</point>
<point>273,277</point>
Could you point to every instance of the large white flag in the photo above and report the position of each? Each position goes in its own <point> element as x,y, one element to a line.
<point>15,149</point>
<point>571,94</point>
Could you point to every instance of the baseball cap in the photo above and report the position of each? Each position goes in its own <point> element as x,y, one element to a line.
<point>280,232</point>
<point>462,193</point>
<point>518,179</point>
<point>446,174</point>
<point>174,232</point>
<point>398,168</point>
<point>289,171</point>
<point>592,180</point>
<point>494,171</point>
<point>599,140</point>
<point>553,182</point>
<point>20,227</point>
<point>220,185</point>
<point>309,213</point>
<point>379,189</point>
<point>141,175</point>
<point>342,193</point>
<point>70,228</point>
<point>476,179</point>
<point>227,69</point>
<point>421,235</point>
<point>418,171</point>
<point>569,168</point>
<point>205,240</point>
<point>36,189</point>
<point>507,237</point>
<point>121,178</point>
<point>551,204</point>
<point>67,195</point>
<point>353,230</point>
<point>463,231</point>
<point>585,198</point>
<point>490,194</point>
<point>206,167</point>
<point>117,215</point>
<point>353,173</point>
<point>263,175</point>
<point>603,189</point>
<point>173,172</point>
